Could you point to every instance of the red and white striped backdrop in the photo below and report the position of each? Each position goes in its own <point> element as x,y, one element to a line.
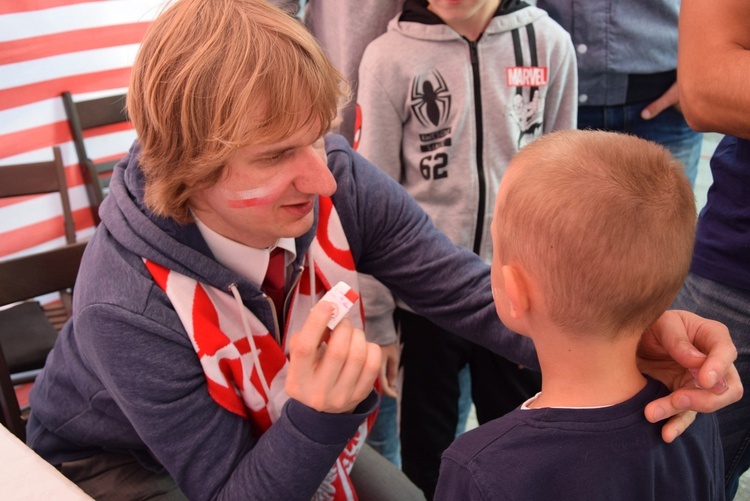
<point>46,47</point>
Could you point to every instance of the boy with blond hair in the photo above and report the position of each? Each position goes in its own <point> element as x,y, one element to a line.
<point>593,235</point>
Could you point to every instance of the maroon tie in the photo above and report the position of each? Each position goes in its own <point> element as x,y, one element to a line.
<point>273,284</point>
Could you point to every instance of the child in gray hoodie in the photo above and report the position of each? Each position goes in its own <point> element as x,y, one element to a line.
<point>446,97</point>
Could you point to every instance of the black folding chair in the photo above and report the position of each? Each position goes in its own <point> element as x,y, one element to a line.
<point>26,334</point>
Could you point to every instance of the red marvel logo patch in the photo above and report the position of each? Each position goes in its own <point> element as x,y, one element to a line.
<point>526,76</point>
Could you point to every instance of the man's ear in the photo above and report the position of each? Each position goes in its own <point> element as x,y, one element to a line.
<point>517,291</point>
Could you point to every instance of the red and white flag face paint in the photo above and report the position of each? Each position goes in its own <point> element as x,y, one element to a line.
<point>250,198</point>
<point>255,197</point>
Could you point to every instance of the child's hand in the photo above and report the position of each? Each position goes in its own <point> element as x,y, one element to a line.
<point>389,369</point>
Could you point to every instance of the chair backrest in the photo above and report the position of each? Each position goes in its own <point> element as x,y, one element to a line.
<point>89,114</point>
<point>34,275</point>
<point>24,278</point>
<point>37,179</point>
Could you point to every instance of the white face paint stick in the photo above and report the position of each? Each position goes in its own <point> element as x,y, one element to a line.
<point>343,298</point>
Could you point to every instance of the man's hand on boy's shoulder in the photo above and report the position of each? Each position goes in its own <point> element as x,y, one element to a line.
<point>677,342</point>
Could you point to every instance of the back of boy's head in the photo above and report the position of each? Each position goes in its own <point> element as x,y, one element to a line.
<point>604,222</point>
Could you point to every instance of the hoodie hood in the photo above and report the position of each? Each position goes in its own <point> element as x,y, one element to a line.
<point>416,11</point>
<point>418,22</point>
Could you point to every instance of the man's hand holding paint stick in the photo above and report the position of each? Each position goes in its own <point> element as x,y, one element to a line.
<point>331,370</point>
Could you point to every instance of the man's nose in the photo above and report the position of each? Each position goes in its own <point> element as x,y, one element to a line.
<point>314,176</point>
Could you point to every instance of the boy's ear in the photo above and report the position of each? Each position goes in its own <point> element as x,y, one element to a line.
<point>517,290</point>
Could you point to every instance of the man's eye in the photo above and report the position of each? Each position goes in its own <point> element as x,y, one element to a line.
<point>278,156</point>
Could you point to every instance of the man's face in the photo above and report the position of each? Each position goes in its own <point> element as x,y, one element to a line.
<point>267,191</point>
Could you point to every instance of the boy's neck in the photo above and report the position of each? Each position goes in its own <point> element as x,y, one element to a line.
<point>577,372</point>
<point>468,24</point>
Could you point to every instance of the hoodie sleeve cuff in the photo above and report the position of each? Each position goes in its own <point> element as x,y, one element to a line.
<point>326,428</point>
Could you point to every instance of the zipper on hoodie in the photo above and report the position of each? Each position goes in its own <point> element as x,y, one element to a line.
<point>277,331</point>
<point>279,334</point>
<point>474,55</point>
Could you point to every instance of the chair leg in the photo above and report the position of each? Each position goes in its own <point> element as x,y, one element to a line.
<point>11,413</point>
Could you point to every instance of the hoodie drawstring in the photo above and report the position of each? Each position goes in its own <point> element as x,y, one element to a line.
<point>254,352</point>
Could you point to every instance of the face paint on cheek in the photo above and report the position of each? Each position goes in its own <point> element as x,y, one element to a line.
<point>252,198</point>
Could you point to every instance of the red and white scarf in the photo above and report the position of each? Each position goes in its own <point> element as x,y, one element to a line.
<point>228,337</point>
